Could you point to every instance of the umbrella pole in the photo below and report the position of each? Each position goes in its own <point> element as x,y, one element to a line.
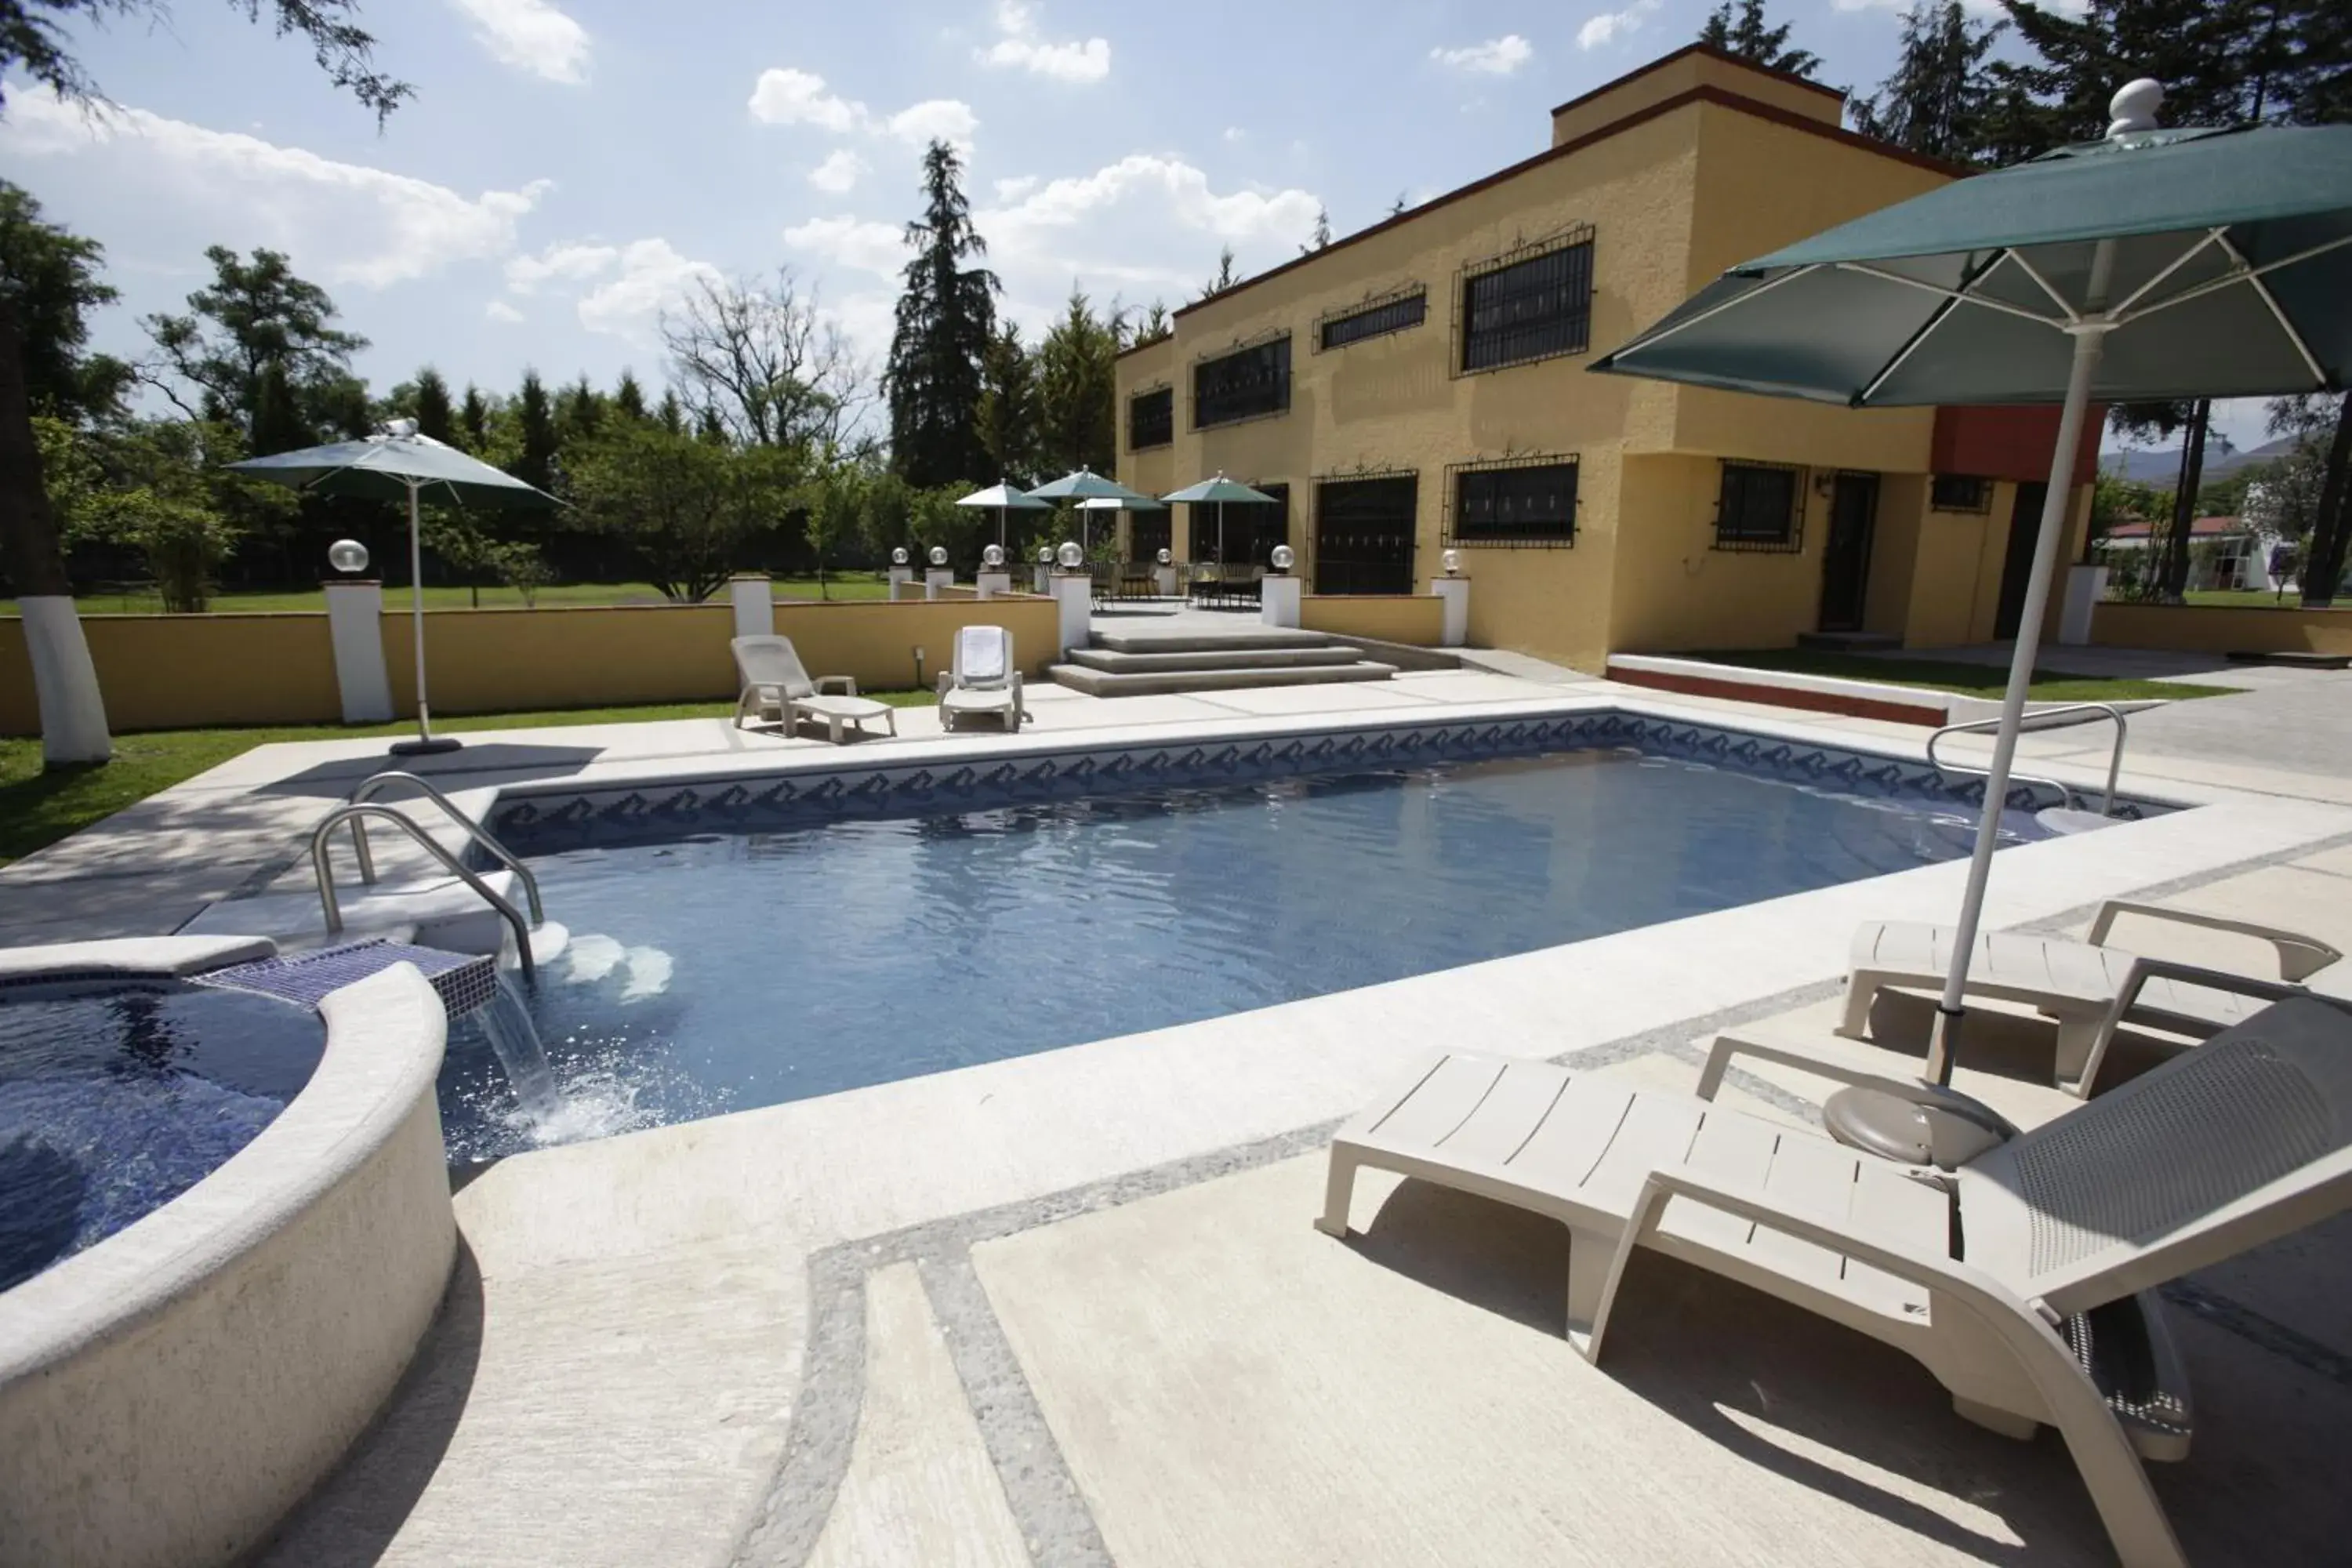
<point>426,741</point>
<point>2090,342</point>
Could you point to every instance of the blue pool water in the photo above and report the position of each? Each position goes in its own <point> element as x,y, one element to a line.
<point>723,971</point>
<point>114,1102</point>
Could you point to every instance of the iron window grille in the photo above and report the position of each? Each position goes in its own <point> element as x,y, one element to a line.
<point>1365,527</point>
<point>1246,383</point>
<point>1758,510</point>
<point>1374,318</point>
<point>1151,418</point>
<point>1960,493</point>
<point>1534,302</point>
<point>1516,503</point>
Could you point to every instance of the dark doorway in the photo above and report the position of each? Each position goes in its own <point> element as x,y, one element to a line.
<point>1845,556</point>
<point>1364,535</point>
<point>1147,534</point>
<point>2017,569</point>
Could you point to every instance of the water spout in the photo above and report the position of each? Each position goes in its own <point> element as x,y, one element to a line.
<point>504,1021</point>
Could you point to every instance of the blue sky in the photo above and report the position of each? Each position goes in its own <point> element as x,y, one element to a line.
<point>568,165</point>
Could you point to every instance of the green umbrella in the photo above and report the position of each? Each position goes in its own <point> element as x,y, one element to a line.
<point>1219,490</point>
<point>395,464</point>
<point>2154,263</point>
<point>1004,498</point>
<point>1084,485</point>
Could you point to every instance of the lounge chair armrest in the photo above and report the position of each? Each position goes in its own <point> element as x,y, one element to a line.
<point>2144,970</point>
<point>946,683</point>
<point>843,685</point>
<point>2299,956</point>
<point>1726,1046</point>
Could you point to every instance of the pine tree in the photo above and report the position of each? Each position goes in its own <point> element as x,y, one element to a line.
<point>1225,279</point>
<point>1935,102</point>
<point>1736,28</point>
<point>1008,408</point>
<point>946,320</point>
<point>535,428</point>
<point>1322,234</point>
<point>2197,48</point>
<point>629,398</point>
<point>579,412</point>
<point>1077,386</point>
<point>434,417</point>
<point>672,414</point>
<point>474,421</point>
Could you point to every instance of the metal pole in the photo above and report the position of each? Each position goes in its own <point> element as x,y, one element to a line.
<point>2090,342</point>
<point>416,614</point>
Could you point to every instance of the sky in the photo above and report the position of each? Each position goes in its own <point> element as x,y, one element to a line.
<point>568,166</point>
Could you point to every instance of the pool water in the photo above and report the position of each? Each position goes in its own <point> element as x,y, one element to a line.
<point>116,1100</point>
<point>722,972</point>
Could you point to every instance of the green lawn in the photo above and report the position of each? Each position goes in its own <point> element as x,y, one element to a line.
<point>37,809</point>
<point>842,585</point>
<point>1967,680</point>
<point>2252,598</point>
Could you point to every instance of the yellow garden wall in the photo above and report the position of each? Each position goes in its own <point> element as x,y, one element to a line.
<point>875,642</point>
<point>178,672</point>
<point>1414,618</point>
<point>2223,628</point>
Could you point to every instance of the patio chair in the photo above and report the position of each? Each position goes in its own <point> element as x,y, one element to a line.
<point>2089,988</point>
<point>2048,1314</point>
<point>985,679</point>
<point>775,681</point>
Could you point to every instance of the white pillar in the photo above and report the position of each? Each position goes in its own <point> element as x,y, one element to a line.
<point>901,577</point>
<point>1073,597</point>
<point>1277,604</point>
<point>755,604</point>
<point>65,682</point>
<point>1163,581</point>
<point>1454,630</point>
<point>2086,586</point>
<point>1042,582</point>
<point>935,578</point>
<point>355,627</point>
<point>993,585</point>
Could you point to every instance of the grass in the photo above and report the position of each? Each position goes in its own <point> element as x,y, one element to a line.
<point>37,807</point>
<point>2245,598</point>
<point>1967,680</point>
<point>838,585</point>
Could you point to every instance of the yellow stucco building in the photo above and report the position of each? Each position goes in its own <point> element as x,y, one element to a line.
<point>1421,387</point>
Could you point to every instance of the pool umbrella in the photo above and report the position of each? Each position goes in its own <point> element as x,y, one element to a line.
<point>1085,485</point>
<point>2154,263</point>
<point>1004,498</point>
<point>1219,490</point>
<point>396,463</point>
<point>1087,508</point>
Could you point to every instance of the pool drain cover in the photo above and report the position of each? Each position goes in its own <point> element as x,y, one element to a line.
<point>463,980</point>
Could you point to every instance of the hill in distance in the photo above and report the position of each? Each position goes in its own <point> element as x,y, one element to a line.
<point>2161,466</point>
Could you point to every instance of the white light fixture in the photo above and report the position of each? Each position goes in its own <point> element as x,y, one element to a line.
<point>401,429</point>
<point>1168,558</point>
<point>1071,555</point>
<point>1283,557</point>
<point>993,557</point>
<point>1045,555</point>
<point>939,554</point>
<point>348,556</point>
<point>898,556</point>
<point>1451,562</point>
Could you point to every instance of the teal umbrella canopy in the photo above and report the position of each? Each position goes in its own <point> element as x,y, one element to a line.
<point>2211,263</point>
<point>387,467</point>
<point>1084,484</point>
<point>1218,489</point>
<point>1006,497</point>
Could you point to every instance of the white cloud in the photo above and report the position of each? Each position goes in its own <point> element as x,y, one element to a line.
<point>653,277</point>
<point>345,223</point>
<point>530,35</point>
<point>1611,26</point>
<point>1014,189</point>
<point>568,263</point>
<point>1021,46</point>
<point>499,311</point>
<point>934,118</point>
<point>1495,56</point>
<point>788,96</point>
<point>1173,187</point>
<point>1235,133</point>
<point>838,173</point>
<point>863,244</point>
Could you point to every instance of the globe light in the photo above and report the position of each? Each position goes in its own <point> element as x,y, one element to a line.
<point>348,556</point>
<point>1283,557</point>
<point>898,556</point>
<point>1451,562</point>
<point>1045,555</point>
<point>993,557</point>
<point>401,429</point>
<point>1071,555</point>
<point>939,554</point>
<point>1167,558</point>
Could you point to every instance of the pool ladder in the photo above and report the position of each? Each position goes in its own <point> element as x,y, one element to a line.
<point>2061,718</point>
<point>360,807</point>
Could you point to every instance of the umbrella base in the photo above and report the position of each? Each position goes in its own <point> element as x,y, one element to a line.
<point>1923,1126</point>
<point>425,745</point>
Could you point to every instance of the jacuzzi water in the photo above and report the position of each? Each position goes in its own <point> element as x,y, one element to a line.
<point>117,1098</point>
<point>722,972</point>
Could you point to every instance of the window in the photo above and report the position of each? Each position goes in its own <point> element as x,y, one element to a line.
<point>1242,385</point>
<point>1376,319</point>
<point>1959,492</point>
<point>1522,306</point>
<point>1758,509</point>
<point>1151,418</point>
<point>1526,501</point>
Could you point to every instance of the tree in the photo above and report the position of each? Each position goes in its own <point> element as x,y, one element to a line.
<point>1154,326</point>
<point>157,488</point>
<point>629,398</point>
<point>2059,93</point>
<point>1225,279</point>
<point>1737,27</point>
<point>1077,386</point>
<point>1322,234</point>
<point>261,351</point>
<point>579,413</point>
<point>946,318</point>
<point>49,278</point>
<point>474,421</point>
<point>1934,102</point>
<point>434,418</point>
<point>535,430</point>
<point>687,509</point>
<point>834,504</point>
<point>2310,489</point>
<point>1009,409</point>
<point>1396,208</point>
<point>775,370</point>
<point>31,38</point>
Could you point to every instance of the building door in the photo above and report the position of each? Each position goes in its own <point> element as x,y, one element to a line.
<point>1364,535</point>
<point>1845,558</point>
<point>2017,569</point>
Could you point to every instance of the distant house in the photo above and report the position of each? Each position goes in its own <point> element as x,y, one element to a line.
<point>2224,551</point>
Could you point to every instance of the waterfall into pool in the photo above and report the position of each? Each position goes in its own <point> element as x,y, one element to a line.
<point>504,1021</point>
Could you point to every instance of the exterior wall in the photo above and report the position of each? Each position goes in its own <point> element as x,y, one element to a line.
<point>1688,70</point>
<point>2011,443</point>
<point>1674,591</point>
<point>179,672</point>
<point>1415,618</point>
<point>1153,470</point>
<point>2222,629</point>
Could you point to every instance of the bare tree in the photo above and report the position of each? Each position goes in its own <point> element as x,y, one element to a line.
<point>764,360</point>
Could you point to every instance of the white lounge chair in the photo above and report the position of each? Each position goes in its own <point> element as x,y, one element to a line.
<point>985,679</point>
<point>2089,988</point>
<point>2048,1313</point>
<point>775,681</point>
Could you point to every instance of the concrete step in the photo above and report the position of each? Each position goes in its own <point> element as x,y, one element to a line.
<point>1165,683</point>
<point>1209,642</point>
<point>1115,662</point>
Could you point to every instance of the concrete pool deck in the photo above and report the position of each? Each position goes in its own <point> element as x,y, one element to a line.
<point>1068,1307</point>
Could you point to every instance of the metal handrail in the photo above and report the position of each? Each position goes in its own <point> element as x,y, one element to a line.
<point>320,835</point>
<point>374,785</point>
<point>2082,713</point>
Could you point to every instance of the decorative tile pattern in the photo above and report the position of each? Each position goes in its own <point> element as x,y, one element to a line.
<point>544,822</point>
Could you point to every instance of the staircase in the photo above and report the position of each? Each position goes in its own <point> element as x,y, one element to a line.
<point>1145,664</point>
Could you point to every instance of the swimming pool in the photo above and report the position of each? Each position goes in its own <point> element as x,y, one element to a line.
<point>744,950</point>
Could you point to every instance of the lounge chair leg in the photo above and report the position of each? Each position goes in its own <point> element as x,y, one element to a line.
<point>1338,1192</point>
<point>2081,1044</point>
<point>1861,991</point>
<point>1588,1281</point>
<point>1992,1418</point>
